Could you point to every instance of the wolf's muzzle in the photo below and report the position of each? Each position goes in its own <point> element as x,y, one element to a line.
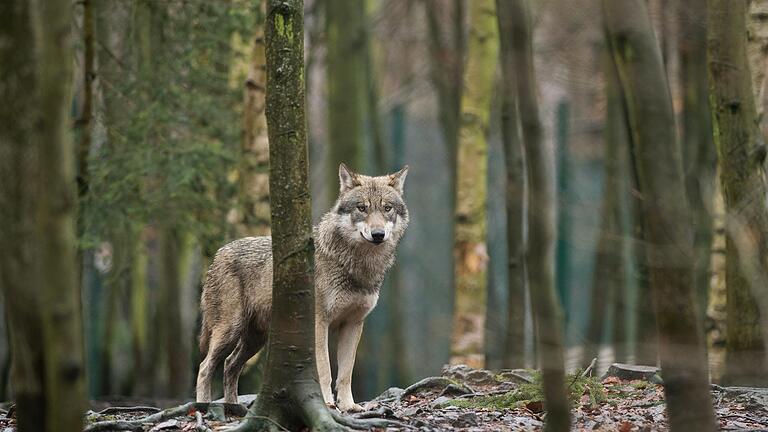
<point>377,235</point>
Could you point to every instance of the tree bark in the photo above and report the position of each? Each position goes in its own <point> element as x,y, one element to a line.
<point>347,92</point>
<point>470,250</point>
<point>290,395</point>
<point>38,226</point>
<point>540,258</point>
<point>699,153</point>
<point>609,280</point>
<point>86,115</point>
<point>513,355</point>
<point>253,191</point>
<point>666,217</point>
<point>741,151</point>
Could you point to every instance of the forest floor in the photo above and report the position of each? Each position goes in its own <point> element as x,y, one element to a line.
<point>466,399</point>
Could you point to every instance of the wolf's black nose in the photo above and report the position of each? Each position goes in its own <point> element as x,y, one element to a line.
<point>377,235</point>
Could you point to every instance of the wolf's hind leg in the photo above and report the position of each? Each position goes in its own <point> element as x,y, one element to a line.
<point>218,347</point>
<point>323,362</point>
<point>246,348</point>
<point>349,337</point>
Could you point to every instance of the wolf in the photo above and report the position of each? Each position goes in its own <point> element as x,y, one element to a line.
<point>355,245</point>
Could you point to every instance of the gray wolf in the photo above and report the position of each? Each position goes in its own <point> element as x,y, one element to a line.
<point>355,245</point>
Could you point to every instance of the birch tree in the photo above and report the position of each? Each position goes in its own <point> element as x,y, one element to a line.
<point>741,153</point>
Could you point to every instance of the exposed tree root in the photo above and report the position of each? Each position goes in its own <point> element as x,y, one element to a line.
<point>430,383</point>
<point>368,423</point>
<point>235,410</point>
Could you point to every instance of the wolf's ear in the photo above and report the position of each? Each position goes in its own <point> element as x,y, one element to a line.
<point>347,179</point>
<point>397,179</point>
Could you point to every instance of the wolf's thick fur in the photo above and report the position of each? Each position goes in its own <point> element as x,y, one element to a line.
<point>354,247</point>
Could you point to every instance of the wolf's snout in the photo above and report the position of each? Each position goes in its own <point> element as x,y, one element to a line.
<point>377,235</point>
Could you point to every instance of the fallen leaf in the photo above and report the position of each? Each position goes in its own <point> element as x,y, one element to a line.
<point>535,406</point>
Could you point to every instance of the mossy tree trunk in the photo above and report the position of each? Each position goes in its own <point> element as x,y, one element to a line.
<point>347,91</point>
<point>666,217</point>
<point>540,258</point>
<point>290,396</point>
<point>741,151</point>
<point>513,355</point>
<point>470,249</point>
<point>699,153</point>
<point>38,207</point>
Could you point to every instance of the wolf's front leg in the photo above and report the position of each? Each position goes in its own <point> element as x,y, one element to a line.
<point>349,336</point>
<point>323,362</point>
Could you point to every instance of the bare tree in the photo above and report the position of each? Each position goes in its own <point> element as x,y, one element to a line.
<point>741,151</point>
<point>290,394</point>
<point>470,250</point>
<point>666,217</point>
<point>513,354</point>
<point>540,258</point>
<point>38,204</point>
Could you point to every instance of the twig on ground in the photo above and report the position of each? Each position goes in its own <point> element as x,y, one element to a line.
<point>123,410</point>
<point>179,411</point>
<point>200,426</point>
<point>743,417</point>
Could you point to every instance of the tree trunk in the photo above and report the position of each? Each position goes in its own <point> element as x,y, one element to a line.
<point>253,212</point>
<point>513,355</point>
<point>20,281</point>
<point>470,250</point>
<point>617,161</point>
<point>38,208</point>
<point>541,218</point>
<point>84,122</point>
<point>666,218</point>
<point>175,347</point>
<point>346,66</point>
<point>290,395</point>
<point>741,151</point>
<point>699,153</point>
<point>608,281</point>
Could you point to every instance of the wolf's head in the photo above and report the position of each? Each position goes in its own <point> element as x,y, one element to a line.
<point>371,209</point>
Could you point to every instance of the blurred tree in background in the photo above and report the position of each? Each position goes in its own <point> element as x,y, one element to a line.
<point>508,127</point>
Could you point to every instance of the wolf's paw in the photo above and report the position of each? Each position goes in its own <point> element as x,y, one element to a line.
<point>349,407</point>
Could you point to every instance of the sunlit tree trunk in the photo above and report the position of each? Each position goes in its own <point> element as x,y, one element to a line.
<point>290,395</point>
<point>470,249</point>
<point>513,355</point>
<point>38,206</point>
<point>346,66</point>
<point>666,217</point>
<point>540,258</point>
<point>253,209</point>
<point>741,152</point>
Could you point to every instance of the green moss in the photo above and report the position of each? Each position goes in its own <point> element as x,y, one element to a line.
<point>532,392</point>
<point>284,29</point>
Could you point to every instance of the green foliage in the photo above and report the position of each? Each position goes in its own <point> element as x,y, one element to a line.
<point>169,130</point>
<point>578,385</point>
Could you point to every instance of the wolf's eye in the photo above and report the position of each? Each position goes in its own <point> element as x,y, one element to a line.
<point>387,208</point>
<point>361,207</point>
